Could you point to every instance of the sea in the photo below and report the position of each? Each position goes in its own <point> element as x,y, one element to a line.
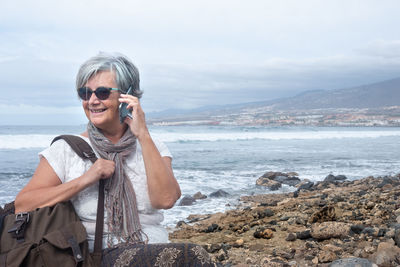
<point>231,158</point>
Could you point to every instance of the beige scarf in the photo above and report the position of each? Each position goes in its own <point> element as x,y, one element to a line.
<point>120,199</point>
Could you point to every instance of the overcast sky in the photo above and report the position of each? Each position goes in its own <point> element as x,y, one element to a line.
<point>192,53</point>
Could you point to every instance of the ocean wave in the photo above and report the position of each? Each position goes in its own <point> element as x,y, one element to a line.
<point>273,135</point>
<point>26,141</point>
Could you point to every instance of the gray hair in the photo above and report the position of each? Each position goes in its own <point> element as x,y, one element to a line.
<point>126,74</point>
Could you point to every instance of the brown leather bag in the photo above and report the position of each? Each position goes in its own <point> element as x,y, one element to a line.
<point>48,236</point>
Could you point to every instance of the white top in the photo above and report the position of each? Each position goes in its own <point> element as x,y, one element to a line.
<point>69,166</point>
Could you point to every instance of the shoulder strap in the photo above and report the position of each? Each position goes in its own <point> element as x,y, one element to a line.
<point>85,151</point>
<point>80,146</point>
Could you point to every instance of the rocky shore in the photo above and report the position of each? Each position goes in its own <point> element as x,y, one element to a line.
<point>335,222</point>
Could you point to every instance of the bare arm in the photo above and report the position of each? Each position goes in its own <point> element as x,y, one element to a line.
<point>46,189</point>
<point>163,188</point>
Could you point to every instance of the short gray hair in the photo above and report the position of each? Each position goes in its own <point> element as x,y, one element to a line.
<point>126,74</point>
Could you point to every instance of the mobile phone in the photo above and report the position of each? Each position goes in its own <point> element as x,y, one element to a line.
<point>123,110</point>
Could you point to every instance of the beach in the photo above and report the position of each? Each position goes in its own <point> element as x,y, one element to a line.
<point>335,222</point>
<point>232,159</point>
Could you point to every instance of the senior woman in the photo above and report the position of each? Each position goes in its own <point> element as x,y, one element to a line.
<point>137,168</point>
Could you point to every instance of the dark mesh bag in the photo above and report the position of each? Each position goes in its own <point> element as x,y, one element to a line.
<point>169,254</point>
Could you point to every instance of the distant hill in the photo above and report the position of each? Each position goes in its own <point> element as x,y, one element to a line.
<point>381,94</point>
<point>376,95</point>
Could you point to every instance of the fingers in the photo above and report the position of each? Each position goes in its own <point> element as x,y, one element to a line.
<point>131,100</point>
<point>102,169</point>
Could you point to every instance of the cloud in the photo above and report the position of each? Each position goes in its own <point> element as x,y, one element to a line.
<point>20,109</point>
<point>192,54</point>
<point>386,49</point>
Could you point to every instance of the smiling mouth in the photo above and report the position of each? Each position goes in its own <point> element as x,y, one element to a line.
<point>97,110</point>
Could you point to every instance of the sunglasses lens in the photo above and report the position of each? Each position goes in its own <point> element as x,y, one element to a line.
<point>102,93</point>
<point>84,93</point>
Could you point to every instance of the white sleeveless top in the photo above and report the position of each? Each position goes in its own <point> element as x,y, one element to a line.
<point>69,166</point>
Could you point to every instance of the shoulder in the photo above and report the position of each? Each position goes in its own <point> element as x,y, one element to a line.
<point>60,148</point>
<point>161,147</point>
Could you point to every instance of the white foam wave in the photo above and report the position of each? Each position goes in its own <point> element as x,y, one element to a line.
<point>22,141</point>
<point>273,135</point>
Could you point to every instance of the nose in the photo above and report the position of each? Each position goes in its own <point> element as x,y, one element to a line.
<point>93,99</point>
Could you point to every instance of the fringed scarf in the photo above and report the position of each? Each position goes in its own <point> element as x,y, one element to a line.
<point>120,198</point>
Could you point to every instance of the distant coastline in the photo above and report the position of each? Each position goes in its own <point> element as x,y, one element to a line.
<point>336,117</point>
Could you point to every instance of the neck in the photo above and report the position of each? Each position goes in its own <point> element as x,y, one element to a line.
<point>115,134</point>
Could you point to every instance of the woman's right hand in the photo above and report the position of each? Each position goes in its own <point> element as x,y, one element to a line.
<point>101,169</point>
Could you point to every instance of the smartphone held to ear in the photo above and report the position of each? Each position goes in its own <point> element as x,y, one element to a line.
<point>123,110</point>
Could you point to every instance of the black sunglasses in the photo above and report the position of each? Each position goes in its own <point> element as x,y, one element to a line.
<point>101,93</point>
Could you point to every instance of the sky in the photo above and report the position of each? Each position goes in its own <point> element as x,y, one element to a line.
<point>191,53</point>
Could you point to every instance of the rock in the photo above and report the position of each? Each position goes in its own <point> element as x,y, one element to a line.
<point>199,195</point>
<point>212,228</point>
<point>265,213</point>
<point>238,243</point>
<point>263,233</point>
<point>221,256</point>
<point>305,185</point>
<point>271,184</point>
<point>289,178</point>
<point>352,262</point>
<point>386,255</point>
<point>181,223</point>
<point>303,235</point>
<point>333,248</point>
<point>212,248</point>
<point>286,254</point>
<point>187,201</point>
<point>332,178</point>
<point>357,228</point>
<point>327,213</point>
<point>327,230</point>
<point>368,231</point>
<point>291,237</point>
<point>219,193</point>
<point>396,237</point>
<point>326,256</point>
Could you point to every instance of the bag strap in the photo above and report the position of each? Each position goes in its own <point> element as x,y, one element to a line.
<point>98,235</point>
<point>85,151</point>
<point>79,146</point>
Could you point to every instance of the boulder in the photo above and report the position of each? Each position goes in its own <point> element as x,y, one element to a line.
<point>397,237</point>
<point>357,228</point>
<point>352,262</point>
<point>333,178</point>
<point>219,193</point>
<point>327,213</point>
<point>271,184</point>
<point>291,237</point>
<point>304,234</point>
<point>387,254</point>
<point>304,185</point>
<point>187,201</point>
<point>290,178</point>
<point>326,256</point>
<point>263,233</point>
<point>199,195</point>
<point>327,230</point>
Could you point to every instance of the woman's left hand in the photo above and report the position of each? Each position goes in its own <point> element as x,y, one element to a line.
<point>138,123</point>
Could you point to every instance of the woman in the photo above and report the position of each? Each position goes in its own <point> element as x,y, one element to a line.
<point>137,169</point>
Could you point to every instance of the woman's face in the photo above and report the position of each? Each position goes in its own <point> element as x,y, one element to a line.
<point>103,113</point>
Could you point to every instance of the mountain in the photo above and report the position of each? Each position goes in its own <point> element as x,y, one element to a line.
<point>371,96</point>
<point>381,94</point>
